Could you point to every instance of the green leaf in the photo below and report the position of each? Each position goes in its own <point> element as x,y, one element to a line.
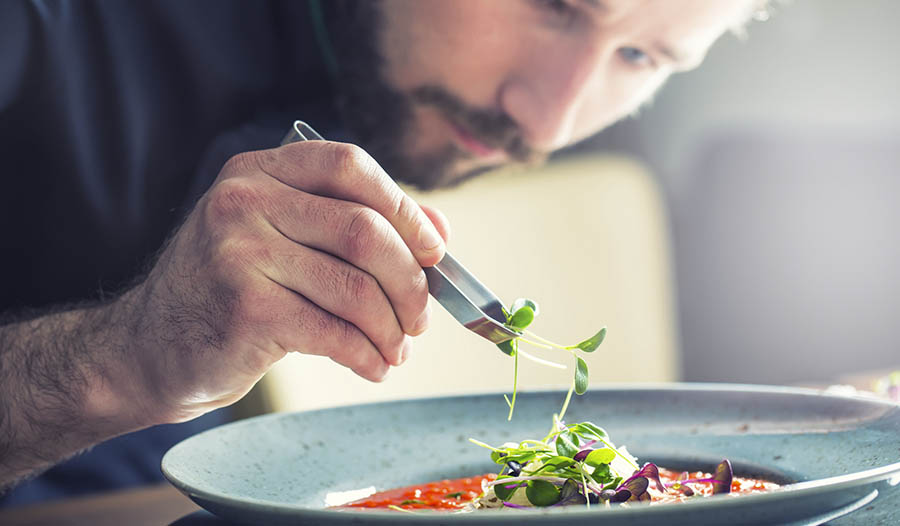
<point>589,428</point>
<point>600,457</point>
<point>564,446</point>
<point>411,501</point>
<point>557,462</point>
<point>504,493</point>
<point>507,347</point>
<point>603,475</point>
<point>591,344</point>
<point>457,495</point>
<point>541,493</point>
<point>581,377</point>
<point>521,318</point>
<point>525,302</point>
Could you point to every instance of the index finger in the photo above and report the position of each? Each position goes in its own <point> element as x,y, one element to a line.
<point>345,171</point>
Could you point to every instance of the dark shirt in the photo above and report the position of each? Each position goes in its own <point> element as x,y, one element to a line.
<point>115,116</point>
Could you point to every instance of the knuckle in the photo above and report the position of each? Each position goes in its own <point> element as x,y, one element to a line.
<point>232,198</point>
<point>239,164</point>
<point>349,158</point>
<point>362,232</point>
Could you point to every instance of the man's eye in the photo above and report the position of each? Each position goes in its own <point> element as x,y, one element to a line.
<point>635,56</point>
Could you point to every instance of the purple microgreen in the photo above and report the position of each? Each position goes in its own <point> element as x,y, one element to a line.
<point>581,455</point>
<point>608,494</point>
<point>637,486</point>
<point>723,477</point>
<point>514,468</point>
<point>569,490</point>
<point>516,506</point>
<point>651,472</point>
<point>542,493</point>
<point>620,496</point>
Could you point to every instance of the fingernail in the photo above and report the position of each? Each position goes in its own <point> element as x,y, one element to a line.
<point>429,238</point>
<point>406,350</point>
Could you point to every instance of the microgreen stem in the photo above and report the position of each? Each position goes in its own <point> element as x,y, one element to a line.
<point>512,403</point>
<point>538,443</point>
<point>568,398</point>
<point>536,344</point>
<point>482,444</point>
<point>585,490</point>
<point>545,341</point>
<point>541,361</point>
<point>565,406</point>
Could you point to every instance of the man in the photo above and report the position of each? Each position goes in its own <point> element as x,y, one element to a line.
<point>121,120</point>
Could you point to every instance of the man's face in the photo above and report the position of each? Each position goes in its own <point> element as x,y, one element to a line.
<point>463,86</point>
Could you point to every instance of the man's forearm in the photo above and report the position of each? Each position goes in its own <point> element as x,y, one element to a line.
<point>63,387</point>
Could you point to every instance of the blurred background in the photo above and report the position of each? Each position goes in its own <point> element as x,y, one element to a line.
<point>780,163</point>
<point>741,228</point>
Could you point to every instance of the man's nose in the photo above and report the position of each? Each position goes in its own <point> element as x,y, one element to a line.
<point>543,96</point>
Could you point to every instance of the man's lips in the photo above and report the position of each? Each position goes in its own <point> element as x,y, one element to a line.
<point>474,146</point>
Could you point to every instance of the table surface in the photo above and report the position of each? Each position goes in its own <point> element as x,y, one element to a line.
<point>164,506</point>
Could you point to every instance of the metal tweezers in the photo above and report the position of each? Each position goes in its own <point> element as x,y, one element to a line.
<point>454,287</point>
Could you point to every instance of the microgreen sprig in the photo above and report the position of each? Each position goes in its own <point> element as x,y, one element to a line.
<point>567,467</point>
<point>520,315</point>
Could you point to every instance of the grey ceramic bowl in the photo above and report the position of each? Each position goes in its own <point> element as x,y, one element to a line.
<point>837,453</point>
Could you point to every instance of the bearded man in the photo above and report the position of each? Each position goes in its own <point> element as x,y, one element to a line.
<point>136,132</point>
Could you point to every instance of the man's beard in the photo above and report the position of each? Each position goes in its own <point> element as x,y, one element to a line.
<point>381,118</point>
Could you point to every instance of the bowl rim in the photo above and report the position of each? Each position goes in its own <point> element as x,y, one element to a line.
<point>889,472</point>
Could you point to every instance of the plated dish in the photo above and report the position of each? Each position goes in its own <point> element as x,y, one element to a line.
<point>833,453</point>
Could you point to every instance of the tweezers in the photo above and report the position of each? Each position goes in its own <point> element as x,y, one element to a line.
<point>455,288</point>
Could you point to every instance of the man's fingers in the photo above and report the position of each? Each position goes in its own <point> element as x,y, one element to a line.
<point>335,286</point>
<point>347,172</point>
<point>315,331</point>
<point>359,236</point>
<point>439,220</point>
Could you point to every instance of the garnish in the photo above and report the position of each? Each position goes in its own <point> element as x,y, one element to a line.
<point>520,315</point>
<point>577,464</point>
<point>573,464</point>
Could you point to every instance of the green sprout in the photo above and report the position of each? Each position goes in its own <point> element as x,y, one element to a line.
<point>518,318</point>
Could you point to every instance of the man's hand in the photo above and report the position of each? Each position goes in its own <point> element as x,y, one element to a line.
<point>310,247</point>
